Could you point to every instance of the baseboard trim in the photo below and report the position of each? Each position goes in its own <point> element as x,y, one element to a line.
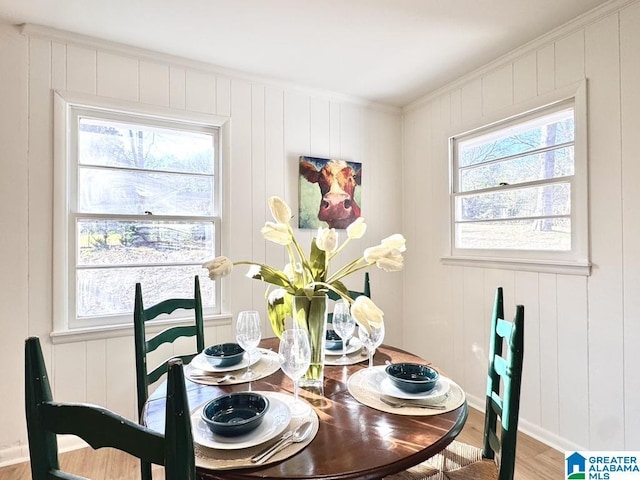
<point>20,453</point>
<point>534,431</point>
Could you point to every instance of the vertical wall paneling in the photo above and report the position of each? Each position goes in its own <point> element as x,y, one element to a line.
<point>14,208</point>
<point>320,128</point>
<point>68,366</point>
<point>456,107</point>
<point>630,170</point>
<point>223,96</point>
<point>605,285</point>
<point>58,66</point>
<point>117,76</point>
<point>258,189</point>
<point>177,87</point>
<point>527,294</point>
<point>297,141</point>
<point>240,182</point>
<point>525,85</point>
<point>96,372</point>
<point>154,84</point>
<point>546,69</point>
<point>497,89</point>
<point>81,69</point>
<point>548,344</point>
<point>569,57</point>
<point>573,359</point>
<point>277,167</point>
<point>121,376</point>
<point>471,101</point>
<point>474,321</point>
<point>200,91</point>
<point>40,174</point>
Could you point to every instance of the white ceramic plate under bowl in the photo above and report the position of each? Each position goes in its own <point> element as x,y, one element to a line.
<point>275,422</point>
<point>201,363</point>
<point>436,394</point>
<point>354,345</point>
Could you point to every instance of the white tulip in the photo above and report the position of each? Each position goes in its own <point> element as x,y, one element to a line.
<point>279,210</point>
<point>218,267</point>
<point>367,313</point>
<point>357,228</point>
<point>327,239</point>
<point>277,233</point>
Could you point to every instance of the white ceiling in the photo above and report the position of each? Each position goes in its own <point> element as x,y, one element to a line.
<point>388,51</point>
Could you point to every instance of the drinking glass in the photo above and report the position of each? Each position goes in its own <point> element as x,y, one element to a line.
<point>371,340</point>
<point>248,334</point>
<point>344,325</point>
<point>294,355</point>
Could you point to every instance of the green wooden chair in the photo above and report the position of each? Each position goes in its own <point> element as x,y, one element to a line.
<point>496,459</point>
<point>352,293</point>
<point>144,345</point>
<point>100,427</point>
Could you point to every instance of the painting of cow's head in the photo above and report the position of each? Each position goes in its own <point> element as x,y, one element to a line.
<point>335,199</point>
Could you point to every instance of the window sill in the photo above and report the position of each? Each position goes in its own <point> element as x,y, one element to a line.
<point>561,267</point>
<point>113,331</point>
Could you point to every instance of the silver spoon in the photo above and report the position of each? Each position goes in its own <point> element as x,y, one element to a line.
<point>223,379</point>
<point>300,434</point>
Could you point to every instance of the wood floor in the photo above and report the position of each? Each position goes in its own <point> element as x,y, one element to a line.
<point>534,460</point>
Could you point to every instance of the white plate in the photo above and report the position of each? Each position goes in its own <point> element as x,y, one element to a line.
<point>354,345</point>
<point>201,363</point>
<point>436,394</point>
<point>275,422</point>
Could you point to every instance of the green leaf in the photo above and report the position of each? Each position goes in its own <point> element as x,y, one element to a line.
<point>274,277</point>
<point>278,311</point>
<point>318,260</point>
<point>338,285</point>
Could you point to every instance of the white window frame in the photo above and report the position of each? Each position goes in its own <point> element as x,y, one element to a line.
<point>576,260</point>
<point>66,108</point>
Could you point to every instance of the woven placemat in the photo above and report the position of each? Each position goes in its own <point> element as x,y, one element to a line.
<point>264,367</point>
<point>215,459</point>
<point>352,358</point>
<point>363,386</point>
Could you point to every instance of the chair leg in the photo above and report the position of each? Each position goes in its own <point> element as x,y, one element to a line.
<point>145,470</point>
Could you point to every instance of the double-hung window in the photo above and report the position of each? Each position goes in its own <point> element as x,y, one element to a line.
<point>518,189</point>
<point>141,205</point>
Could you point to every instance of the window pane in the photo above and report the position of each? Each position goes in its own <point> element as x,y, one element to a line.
<point>110,242</point>
<point>118,144</point>
<point>537,235</point>
<point>134,192</point>
<point>548,130</point>
<point>111,291</point>
<point>542,201</point>
<point>544,165</point>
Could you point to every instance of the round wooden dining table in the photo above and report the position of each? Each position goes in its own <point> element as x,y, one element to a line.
<point>354,441</point>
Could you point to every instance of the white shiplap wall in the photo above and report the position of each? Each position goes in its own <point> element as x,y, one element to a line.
<point>580,389</point>
<point>271,125</point>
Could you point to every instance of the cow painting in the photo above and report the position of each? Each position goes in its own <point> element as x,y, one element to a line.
<point>334,201</point>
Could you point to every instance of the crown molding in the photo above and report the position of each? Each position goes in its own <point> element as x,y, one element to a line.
<point>557,33</point>
<point>63,36</point>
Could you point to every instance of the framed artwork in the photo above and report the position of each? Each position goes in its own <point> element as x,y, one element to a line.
<point>329,192</point>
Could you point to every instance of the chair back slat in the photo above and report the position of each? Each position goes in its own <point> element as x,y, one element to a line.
<point>503,406</point>
<point>170,335</point>
<point>100,427</point>
<point>155,374</point>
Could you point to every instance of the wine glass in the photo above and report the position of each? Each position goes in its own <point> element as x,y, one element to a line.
<point>294,355</point>
<point>344,325</point>
<point>371,339</point>
<point>248,334</point>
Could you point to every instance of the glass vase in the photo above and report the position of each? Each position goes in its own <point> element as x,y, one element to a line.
<point>310,314</point>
